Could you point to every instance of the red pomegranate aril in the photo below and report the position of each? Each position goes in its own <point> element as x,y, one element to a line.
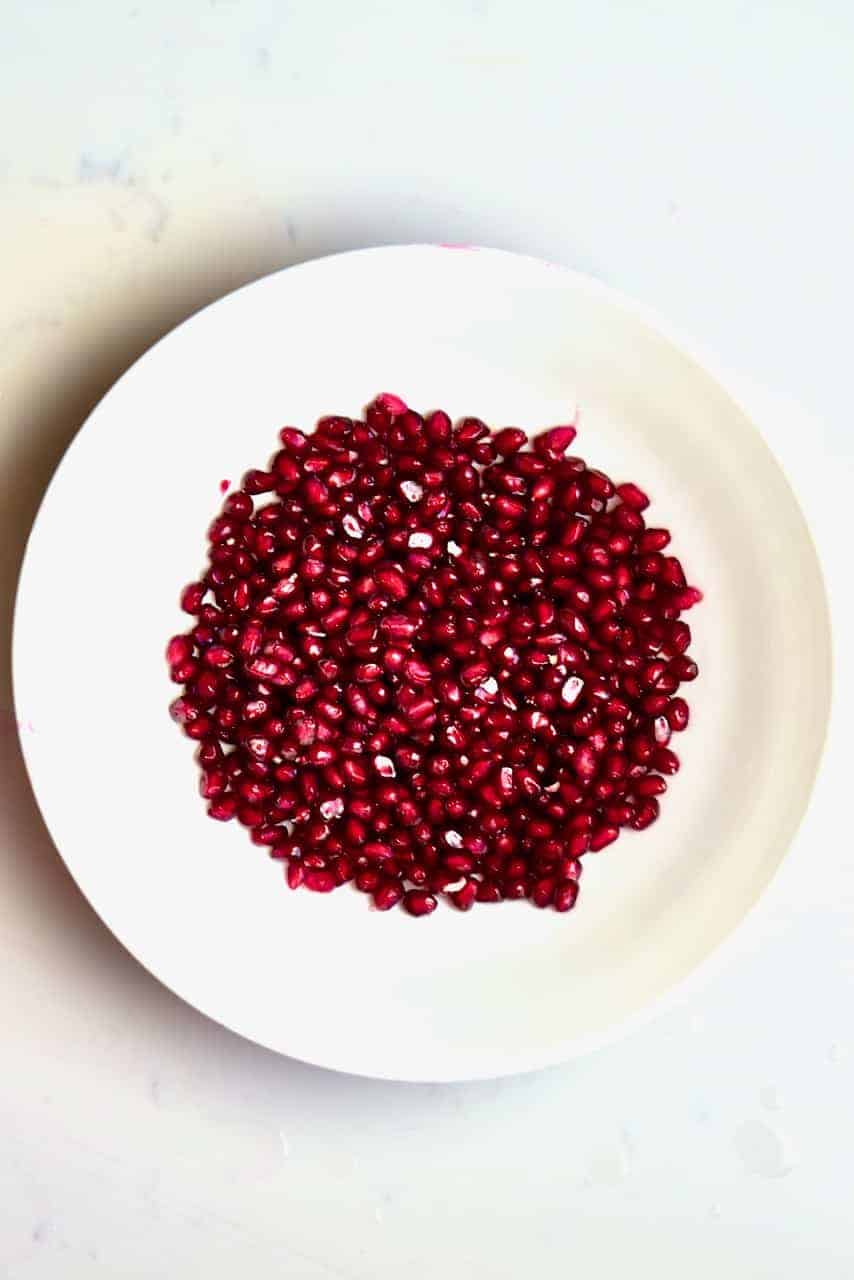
<point>239,505</point>
<point>368,881</point>
<point>584,763</point>
<point>218,656</point>
<point>209,753</point>
<point>646,813</point>
<point>387,895</point>
<point>509,441</point>
<point>603,836</point>
<point>578,843</point>
<point>653,540</point>
<point>488,891</point>
<point>665,761</point>
<point>460,863</point>
<point>178,650</point>
<point>295,873</point>
<point>652,785</point>
<point>679,637</point>
<point>213,783</point>
<point>398,626</point>
<point>342,869</point>
<point>556,441</point>
<point>223,808</point>
<point>640,749</point>
<point>633,497</point>
<point>618,813</point>
<point>183,672</point>
<point>198,729</point>
<point>294,441</point>
<point>683,668</point>
<point>625,517</point>
<point>319,881</point>
<point>678,714</point>
<point>258,482</point>
<point>192,596</point>
<point>543,891</point>
<point>565,895</point>
<point>514,888</point>
<point>687,598</point>
<point>418,903</point>
<point>464,897</point>
<point>653,704</point>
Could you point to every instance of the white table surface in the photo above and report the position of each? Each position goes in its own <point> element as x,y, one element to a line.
<point>152,157</point>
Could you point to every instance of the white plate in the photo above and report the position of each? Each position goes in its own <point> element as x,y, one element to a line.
<point>325,979</point>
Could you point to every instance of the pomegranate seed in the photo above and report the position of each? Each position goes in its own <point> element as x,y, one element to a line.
<point>557,441</point>
<point>294,874</point>
<point>678,714</point>
<point>688,598</point>
<point>368,881</point>
<point>223,808</point>
<point>683,668</point>
<point>464,897</point>
<point>651,785</point>
<point>192,596</point>
<point>633,497</point>
<point>178,651</point>
<point>565,895</point>
<point>646,814</point>
<point>488,891</point>
<point>418,903</point>
<point>509,441</point>
<point>665,761</point>
<point>388,895</point>
<point>605,835</point>
<point>543,892</point>
<point>319,881</point>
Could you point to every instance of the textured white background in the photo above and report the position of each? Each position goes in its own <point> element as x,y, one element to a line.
<point>695,155</point>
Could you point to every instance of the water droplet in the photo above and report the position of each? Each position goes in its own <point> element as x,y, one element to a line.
<point>609,1165</point>
<point>770,1098</point>
<point>763,1150</point>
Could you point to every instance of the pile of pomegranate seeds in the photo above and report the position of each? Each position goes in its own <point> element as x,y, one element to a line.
<point>429,660</point>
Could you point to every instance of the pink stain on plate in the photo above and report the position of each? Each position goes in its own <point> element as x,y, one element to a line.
<point>223,486</point>
<point>469,247</point>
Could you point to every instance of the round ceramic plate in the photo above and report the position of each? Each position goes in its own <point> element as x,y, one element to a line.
<point>122,528</point>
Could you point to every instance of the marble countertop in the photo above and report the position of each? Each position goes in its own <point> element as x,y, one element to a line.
<point>153,157</point>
